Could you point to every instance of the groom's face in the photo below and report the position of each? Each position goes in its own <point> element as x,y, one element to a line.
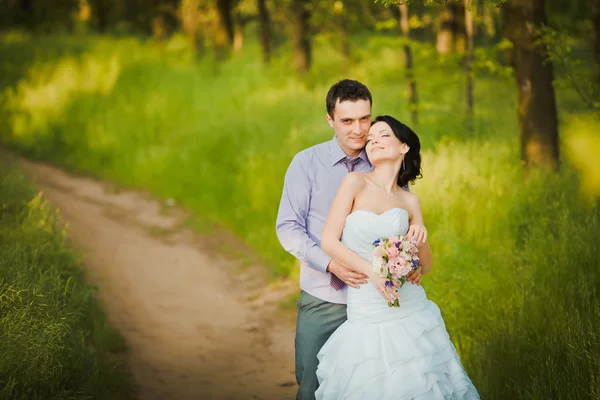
<point>351,122</point>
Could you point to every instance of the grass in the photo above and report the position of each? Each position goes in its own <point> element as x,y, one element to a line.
<point>216,141</point>
<point>55,342</point>
<point>516,270</point>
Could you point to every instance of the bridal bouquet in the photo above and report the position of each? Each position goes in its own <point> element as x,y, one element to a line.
<point>394,258</point>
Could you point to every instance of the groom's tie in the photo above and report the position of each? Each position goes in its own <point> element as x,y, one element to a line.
<point>336,282</point>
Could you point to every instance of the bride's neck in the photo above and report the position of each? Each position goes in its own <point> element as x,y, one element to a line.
<point>386,176</point>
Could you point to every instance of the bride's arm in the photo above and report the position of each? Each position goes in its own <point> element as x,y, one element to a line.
<point>334,225</point>
<point>416,217</point>
<point>336,219</point>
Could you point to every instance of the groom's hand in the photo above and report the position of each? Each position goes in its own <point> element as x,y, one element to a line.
<point>347,275</point>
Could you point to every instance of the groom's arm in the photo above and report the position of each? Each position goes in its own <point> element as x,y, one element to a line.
<point>293,211</point>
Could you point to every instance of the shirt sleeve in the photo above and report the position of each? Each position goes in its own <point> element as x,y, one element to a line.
<point>292,215</point>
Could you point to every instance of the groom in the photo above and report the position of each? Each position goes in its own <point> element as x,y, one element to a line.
<point>310,184</point>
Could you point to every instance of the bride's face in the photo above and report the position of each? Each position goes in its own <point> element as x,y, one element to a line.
<point>382,144</point>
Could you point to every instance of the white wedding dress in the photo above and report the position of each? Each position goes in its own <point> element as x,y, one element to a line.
<point>383,353</point>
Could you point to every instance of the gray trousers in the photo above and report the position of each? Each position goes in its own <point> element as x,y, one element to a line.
<point>317,319</point>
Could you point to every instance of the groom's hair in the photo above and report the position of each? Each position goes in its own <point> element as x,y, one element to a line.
<point>344,90</point>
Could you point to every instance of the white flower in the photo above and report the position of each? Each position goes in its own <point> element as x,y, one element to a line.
<point>378,266</point>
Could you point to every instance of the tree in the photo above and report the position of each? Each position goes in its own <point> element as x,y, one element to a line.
<point>224,29</point>
<point>596,23</point>
<point>339,13</point>
<point>469,57</point>
<point>240,20</point>
<point>538,121</point>
<point>264,21</point>
<point>450,28</point>
<point>190,17</point>
<point>408,59</point>
<point>101,12</point>
<point>300,35</point>
<point>26,7</point>
<point>39,16</point>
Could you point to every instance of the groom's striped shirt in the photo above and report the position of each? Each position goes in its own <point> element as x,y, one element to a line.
<point>310,185</point>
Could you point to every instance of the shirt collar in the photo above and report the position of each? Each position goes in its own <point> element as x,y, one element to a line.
<point>337,154</point>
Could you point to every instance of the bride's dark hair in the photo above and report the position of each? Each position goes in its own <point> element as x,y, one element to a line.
<point>411,168</point>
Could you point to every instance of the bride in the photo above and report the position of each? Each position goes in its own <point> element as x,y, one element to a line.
<point>382,352</point>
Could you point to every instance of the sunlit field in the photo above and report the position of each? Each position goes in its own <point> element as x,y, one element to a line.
<point>516,256</point>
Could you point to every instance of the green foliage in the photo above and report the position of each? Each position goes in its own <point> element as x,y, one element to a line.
<point>575,73</point>
<point>516,259</point>
<point>55,342</point>
<point>39,16</point>
<point>489,3</point>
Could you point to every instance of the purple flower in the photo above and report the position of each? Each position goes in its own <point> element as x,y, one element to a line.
<point>388,283</point>
<point>376,242</point>
<point>415,264</point>
<point>398,244</point>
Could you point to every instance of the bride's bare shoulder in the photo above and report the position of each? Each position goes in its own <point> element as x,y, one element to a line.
<point>412,200</point>
<point>355,179</point>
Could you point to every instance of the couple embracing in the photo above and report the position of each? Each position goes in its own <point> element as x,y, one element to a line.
<point>338,198</point>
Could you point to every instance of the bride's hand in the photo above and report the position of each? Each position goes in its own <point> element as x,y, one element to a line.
<point>419,232</point>
<point>388,293</point>
<point>414,277</point>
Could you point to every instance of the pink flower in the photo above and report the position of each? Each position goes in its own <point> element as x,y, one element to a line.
<point>407,266</point>
<point>399,267</point>
<point>377,252</point>
<point>395,269</point>
<point>392,252</point>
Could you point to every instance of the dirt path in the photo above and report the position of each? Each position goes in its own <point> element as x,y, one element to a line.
<point>191,334</point>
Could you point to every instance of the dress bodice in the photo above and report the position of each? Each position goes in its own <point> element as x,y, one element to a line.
<point>362,228</point>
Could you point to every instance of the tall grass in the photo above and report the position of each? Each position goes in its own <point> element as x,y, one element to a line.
<point>517,272</point>
<point>55,342</point>
<point>218,139</point>
<point>516,257</point>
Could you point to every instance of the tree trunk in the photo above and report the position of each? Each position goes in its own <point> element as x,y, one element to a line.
<point>410,72</point>
<point>26,13</point>
<point>342,31</point>
<point>238,34</point>
<point>596,21</point>
<point>300,35</point>
<point>131,16</point>
<point>159,30</point>
<point>418,9</point>
<point>538,121</point>
<point>189,19</point>
<point>265,30</point>
<point>447,35</point>
<point>469,57</point>
<point>165,19</point>
<point>100,8</point>
<point>26,5</point>
<point>224,30</point>
<point>489,21</point>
